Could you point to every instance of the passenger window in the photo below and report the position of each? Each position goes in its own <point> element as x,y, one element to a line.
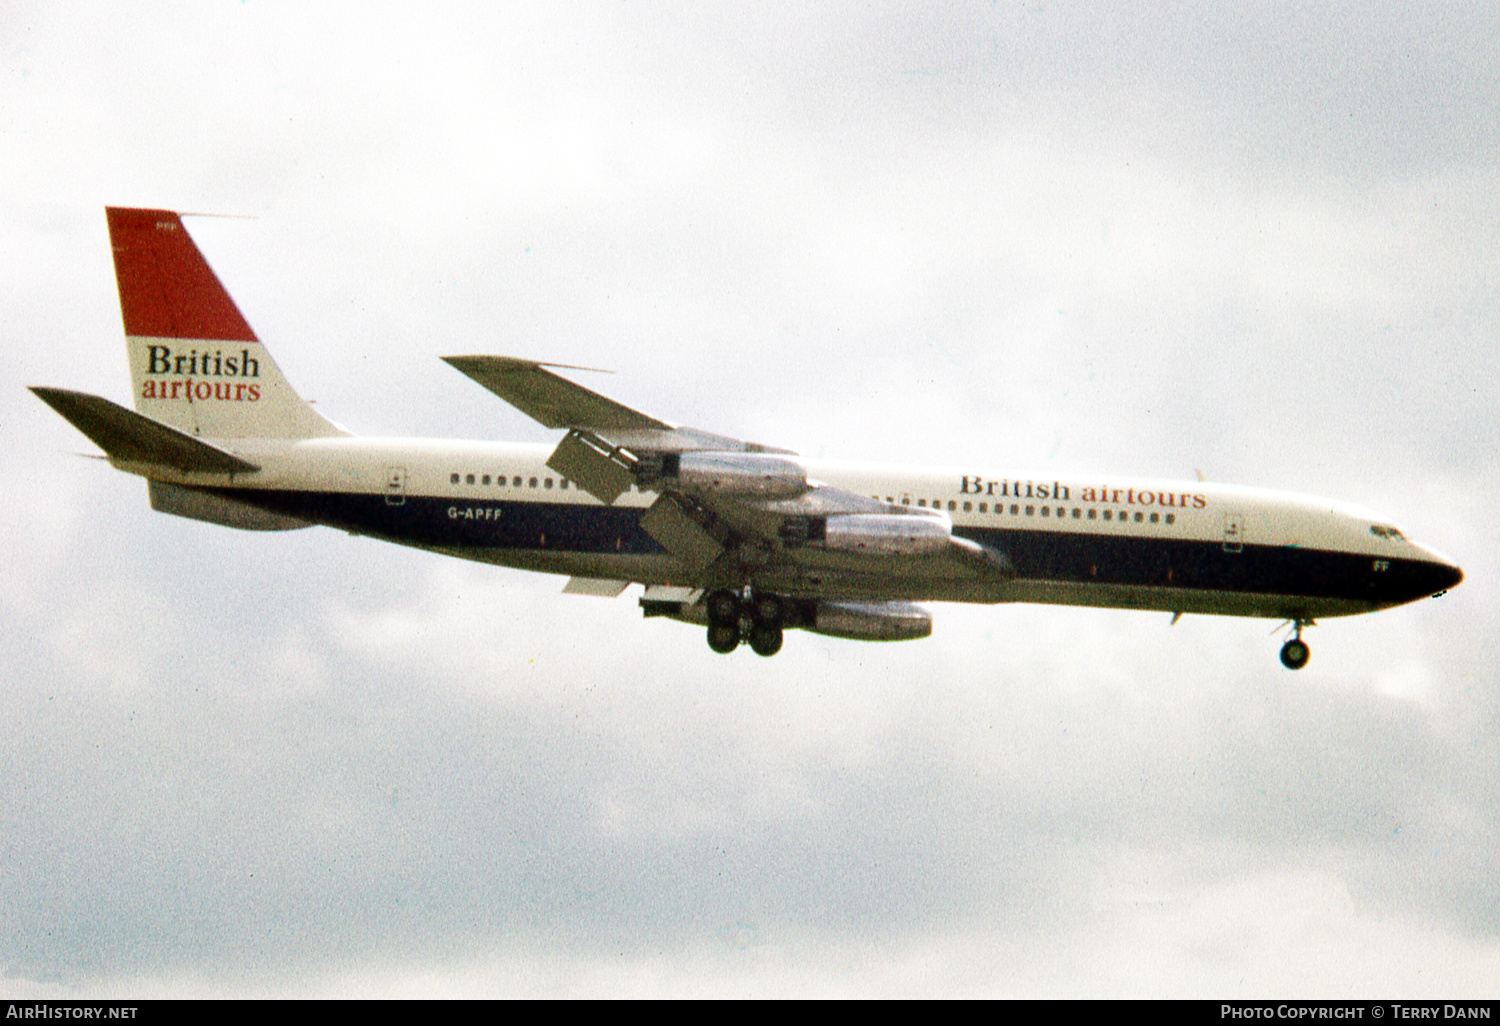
<point>1077,513</point>
<point>453,479</point>
<point>563,484</point>
<point>1155,517</point>
<point>922,503</point>
<point>1046,511</point>
<point>1093,514</point>
<point>1014,509</point>
<point>1107,515</point>
<point>1030,511</point>
<point>1139,517</point>
<point>1171,518</point>
<point>984,507</point>
<point>548,482</point>
<point>952,505</point>
<point>469,479</point>
<point>516,481</point>
<point>485,480</point>
<point>533,482</point>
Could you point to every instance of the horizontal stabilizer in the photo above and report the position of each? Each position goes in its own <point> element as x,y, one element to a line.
<point>129,437</point>
<point>214,507</point>
<point>552,401</point>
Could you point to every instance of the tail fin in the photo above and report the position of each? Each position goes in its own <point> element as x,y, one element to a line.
<point>194,362</point>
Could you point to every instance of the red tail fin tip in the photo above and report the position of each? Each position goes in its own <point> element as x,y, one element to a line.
<point>167,289</point>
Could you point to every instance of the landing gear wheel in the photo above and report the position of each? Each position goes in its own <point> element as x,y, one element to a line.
<point>1295,654</point>
<point>768,609</point>
<point>765,639</point>
<point>723,638</point>
<point>723,607</point>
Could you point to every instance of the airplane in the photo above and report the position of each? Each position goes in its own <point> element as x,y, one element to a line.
<point>743,539</point>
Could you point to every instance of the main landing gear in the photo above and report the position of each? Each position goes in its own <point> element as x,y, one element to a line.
<point>1295,653</point>
<point>757,619</point>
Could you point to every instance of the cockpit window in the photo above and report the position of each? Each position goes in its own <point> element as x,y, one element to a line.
<point>1386,531</point>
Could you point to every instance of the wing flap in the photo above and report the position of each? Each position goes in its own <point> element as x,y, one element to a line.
<point>599,586</point>
<point>601,469</point>
<point>681,535</point>
<point>128,437</point>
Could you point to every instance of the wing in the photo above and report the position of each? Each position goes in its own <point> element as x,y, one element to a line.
<point>553,401</point>
<point>733,512</point>
<point>605,439</point>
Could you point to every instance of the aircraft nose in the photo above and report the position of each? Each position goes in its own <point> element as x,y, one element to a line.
<point>1428,575</point>
<point>1448,575</point>
<point>1433,576</point>
<point>1435,573</point>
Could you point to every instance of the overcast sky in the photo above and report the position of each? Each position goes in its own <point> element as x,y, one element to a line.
<point>1145,238</point>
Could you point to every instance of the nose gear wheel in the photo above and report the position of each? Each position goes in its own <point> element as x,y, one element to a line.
<point>1295,653</point>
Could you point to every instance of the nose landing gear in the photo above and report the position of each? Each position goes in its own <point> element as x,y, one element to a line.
<point>1295,653</point>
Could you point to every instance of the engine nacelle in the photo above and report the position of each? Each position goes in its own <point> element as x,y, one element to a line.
<point>749,475</point>
<point>871,621</point>
<point>888,534</point>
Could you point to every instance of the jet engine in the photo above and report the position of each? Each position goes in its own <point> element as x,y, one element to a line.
<point>888,534</point>
<point>871,621</point>
<point>747,475</point>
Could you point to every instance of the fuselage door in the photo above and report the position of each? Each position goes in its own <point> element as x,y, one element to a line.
<point>395,486</point>
<point>1234,532</point>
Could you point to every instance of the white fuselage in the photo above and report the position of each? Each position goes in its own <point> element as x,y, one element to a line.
<point>1118,542</point>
